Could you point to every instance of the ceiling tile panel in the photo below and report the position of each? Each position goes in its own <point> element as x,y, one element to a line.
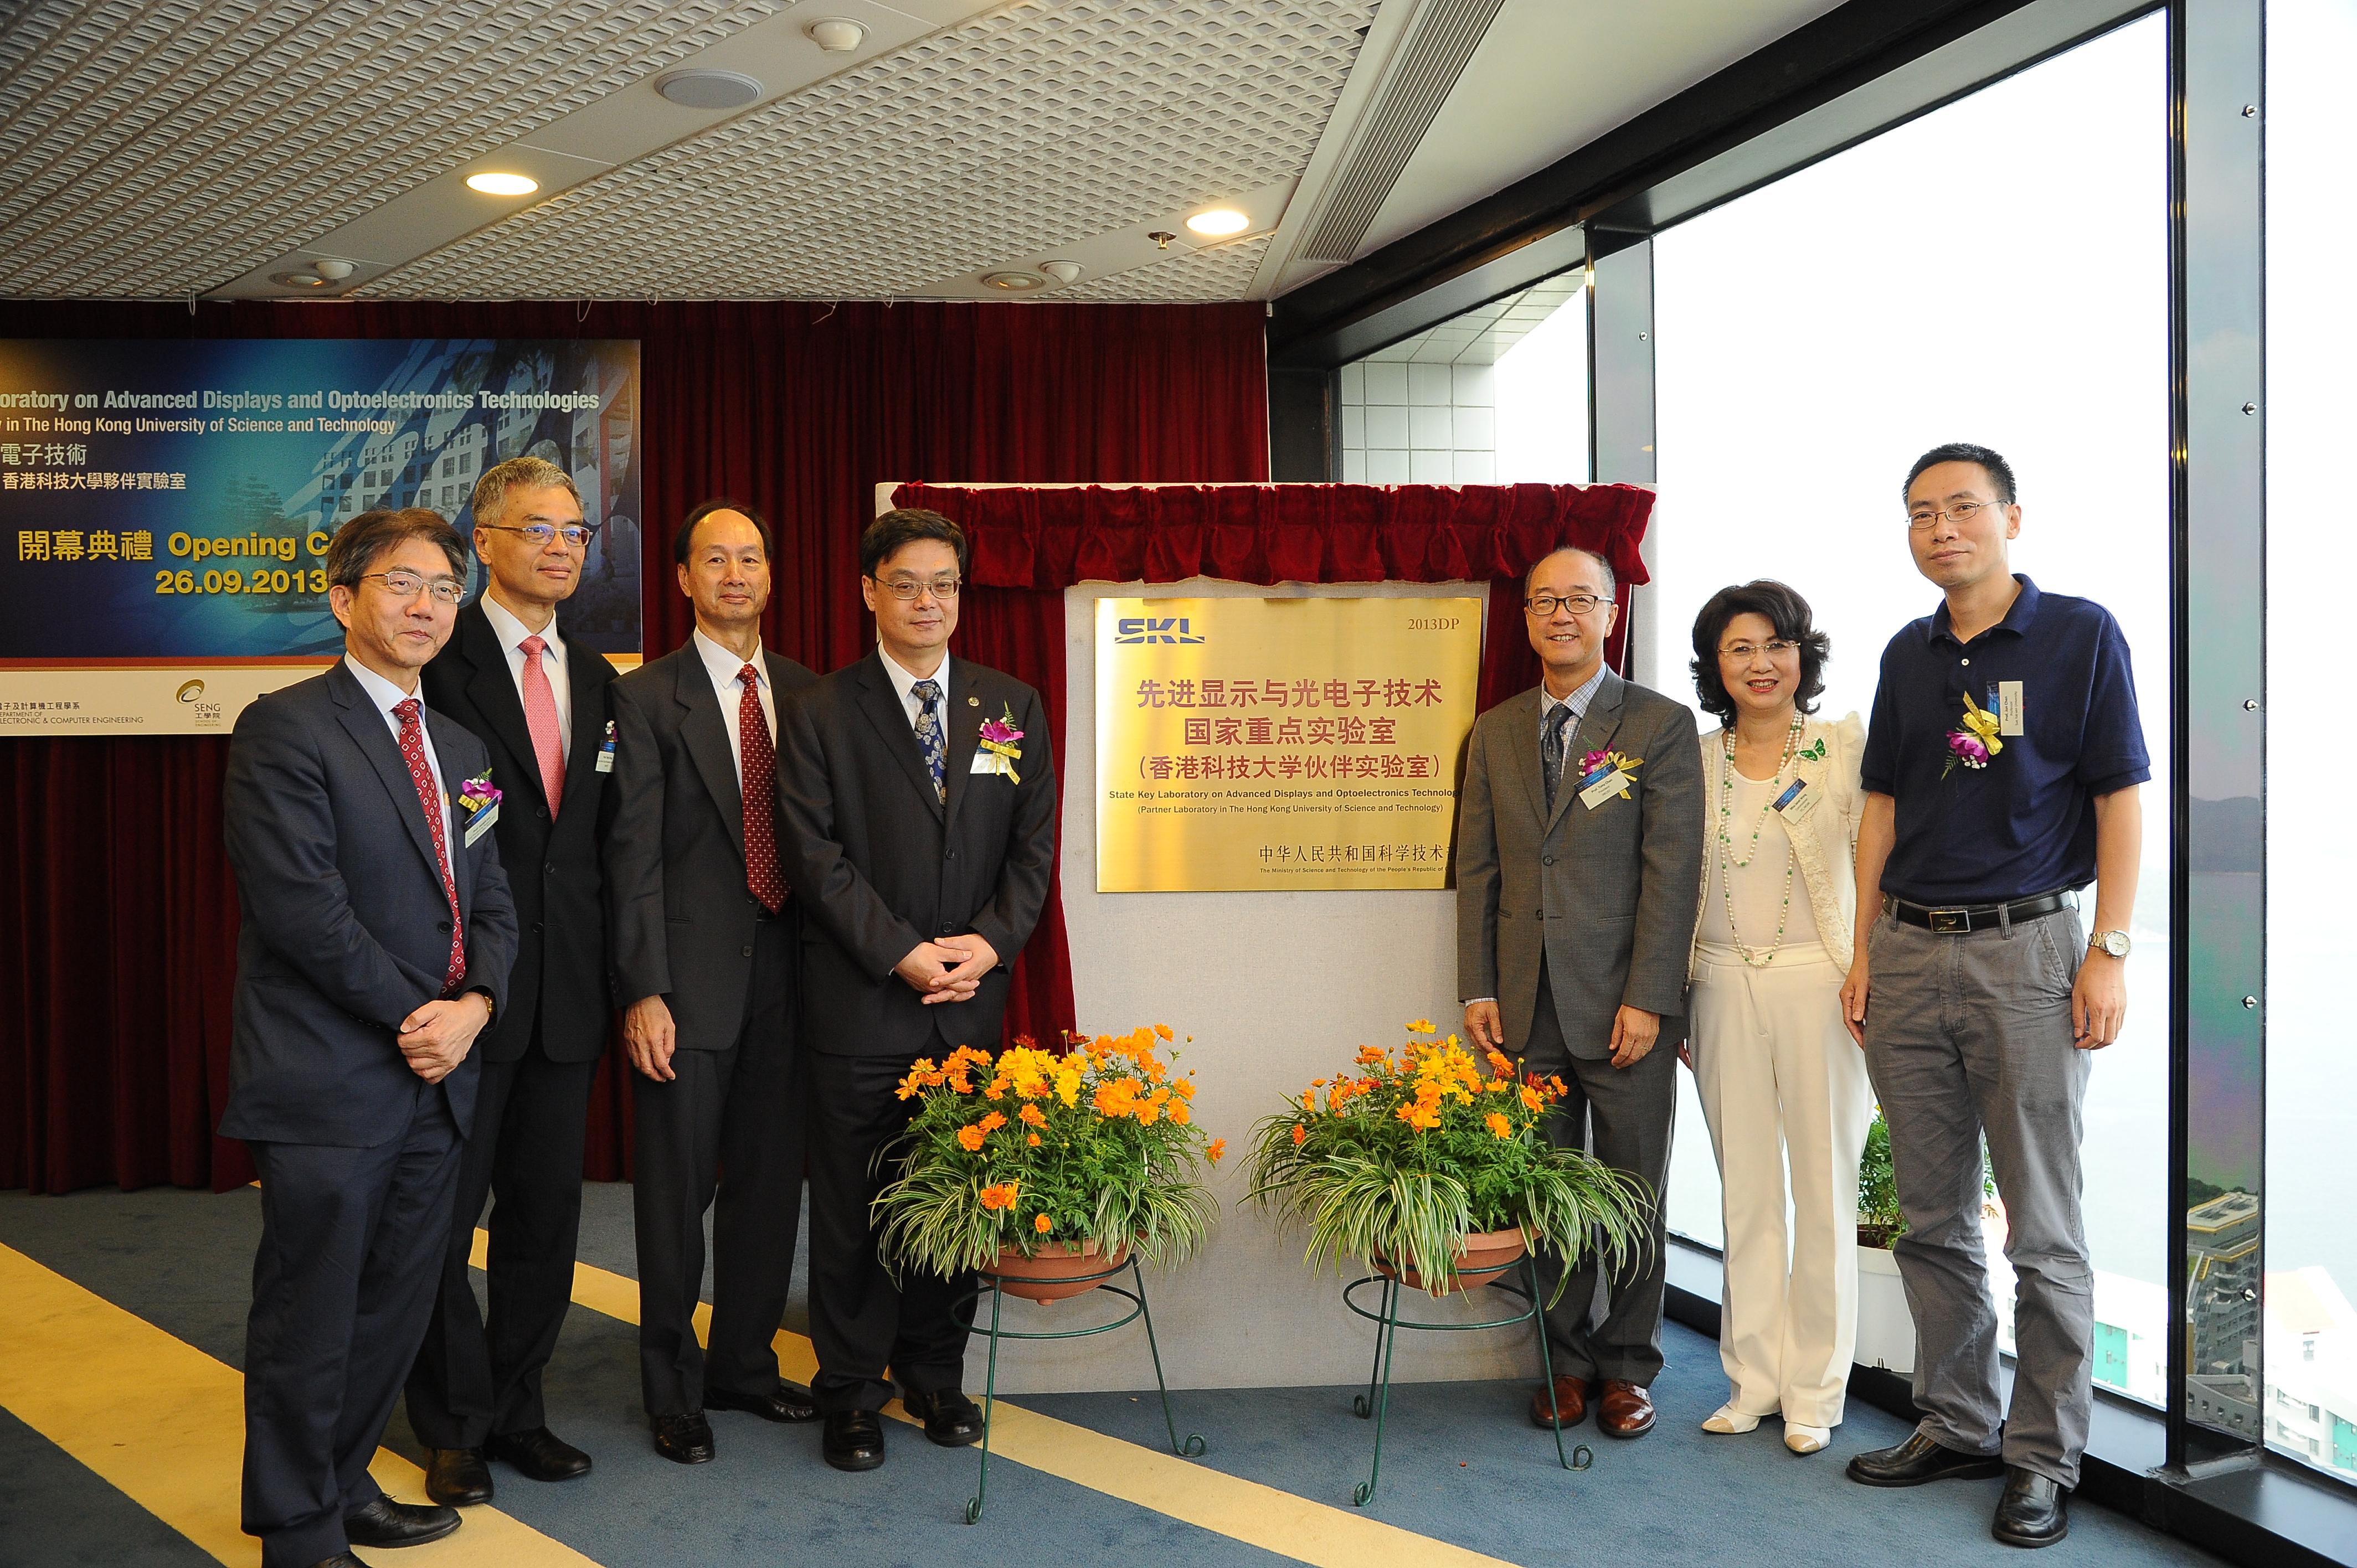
<point>1215,272</point>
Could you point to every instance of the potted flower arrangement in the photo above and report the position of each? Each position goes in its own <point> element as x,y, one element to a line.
<point>1424,1166</point>
<point>1036,1166</point>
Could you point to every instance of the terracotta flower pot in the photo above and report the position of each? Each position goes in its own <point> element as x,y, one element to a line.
<point>1048,1275</point>
<point>1485,1255</point>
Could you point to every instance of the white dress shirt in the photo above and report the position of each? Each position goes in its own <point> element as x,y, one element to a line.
<point>905,684</point>
<point>725,667</point>
<point>386,696</point>
<point>511,632</point>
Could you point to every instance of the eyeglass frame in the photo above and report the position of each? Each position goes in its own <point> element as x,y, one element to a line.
<point>1745,652</point>
<point>1531,605</point>
<point>587,531</point>
<point>1949,512</point>
<point>430,587</point>
<point>908,590</point>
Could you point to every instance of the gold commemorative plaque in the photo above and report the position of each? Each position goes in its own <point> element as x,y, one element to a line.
<point>1249,744</point>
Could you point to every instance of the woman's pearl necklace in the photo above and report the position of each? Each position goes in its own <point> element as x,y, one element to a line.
<point>1728,866</point>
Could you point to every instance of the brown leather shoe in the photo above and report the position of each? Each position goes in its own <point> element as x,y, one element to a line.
<point>1625,1411</point>
<point>1570,1398</point>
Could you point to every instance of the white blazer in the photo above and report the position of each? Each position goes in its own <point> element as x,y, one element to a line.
<point>1824,847</point>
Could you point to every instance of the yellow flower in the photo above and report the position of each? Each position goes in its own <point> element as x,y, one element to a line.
<point>970,1139</point>
<point>999,1197</point>
<point>1067,1085</point>
<point>1421,1026</point>
<point>1042,1224</point>
<point>1218,1146</point>
<point>1499,1126</point>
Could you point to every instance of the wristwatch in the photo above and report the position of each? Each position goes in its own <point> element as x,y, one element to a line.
<point>491,1008</point>
<point>2113,942</point>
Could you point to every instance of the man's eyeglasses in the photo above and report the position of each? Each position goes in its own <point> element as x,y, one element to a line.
<point>1745,652</point>
<point>405,586</point>
<point>1578,604</point>
<point>577,535</point>
<point>908,589</point>
<point>1961,514</point>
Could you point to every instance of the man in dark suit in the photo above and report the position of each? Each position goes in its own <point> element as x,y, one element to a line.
<point>374,946</point>
<point>536,698</point>
<point>922,863</point>
<point>1578,861</point>
<point>704,940</point>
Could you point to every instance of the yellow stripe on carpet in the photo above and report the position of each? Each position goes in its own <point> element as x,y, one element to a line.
<point>1266,1516</point>
<point>164,1424</point>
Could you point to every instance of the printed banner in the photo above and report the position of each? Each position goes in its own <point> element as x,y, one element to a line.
<point>166,507</point>
<point>1254,744</point>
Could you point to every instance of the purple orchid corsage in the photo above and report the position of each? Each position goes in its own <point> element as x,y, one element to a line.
<point>999,740</point>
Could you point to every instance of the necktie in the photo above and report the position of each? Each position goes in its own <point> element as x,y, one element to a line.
<point>540,717</point>
<point>757,772</point>
<point>928,734</point>
<point>413,750</point>
<point>1551,749</point>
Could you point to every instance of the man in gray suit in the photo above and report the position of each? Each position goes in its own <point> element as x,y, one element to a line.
<point>1578,853</point>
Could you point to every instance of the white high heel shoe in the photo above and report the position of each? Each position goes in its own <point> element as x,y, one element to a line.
<point>1726,1420</point>
<point>1803,1439</point>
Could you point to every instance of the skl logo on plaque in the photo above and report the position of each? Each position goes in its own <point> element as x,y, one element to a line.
<point>1254,744</point>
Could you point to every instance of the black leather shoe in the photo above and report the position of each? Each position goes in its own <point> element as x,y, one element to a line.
<point>456,1477</point>
<point>855,1439</point>
<point>1917,1460</point>
<point>540,1454</point>
<point>786,1402</point>
<point>2034,1511</point>
<point>340,1559</point>
<point>388,1523</point>
<point>685,1439</point>
<point>950,1418</point>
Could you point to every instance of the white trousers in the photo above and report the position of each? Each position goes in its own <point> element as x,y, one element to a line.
<point>1783,1086</point>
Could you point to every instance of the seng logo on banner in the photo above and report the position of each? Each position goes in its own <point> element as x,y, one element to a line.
<point>166,507</point>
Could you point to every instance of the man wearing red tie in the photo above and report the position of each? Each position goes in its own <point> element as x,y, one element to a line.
<point>705,951</point>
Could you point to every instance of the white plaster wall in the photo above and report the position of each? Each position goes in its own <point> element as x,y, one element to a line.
<point>1277,989</point>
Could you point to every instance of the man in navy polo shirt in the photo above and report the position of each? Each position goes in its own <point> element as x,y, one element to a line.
<point>2001,769</point>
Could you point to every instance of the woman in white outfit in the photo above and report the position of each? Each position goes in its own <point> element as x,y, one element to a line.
<point>1784,1086</point>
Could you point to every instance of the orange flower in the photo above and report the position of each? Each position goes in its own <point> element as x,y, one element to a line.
<point>1042,1224</point>
<point>1180,1115</point>
<point>1499,1126</point>
<point>1300,1134</point>
<point>999,1197</point>
<point>992,1123</point>
<point>1499,1065</point>
<point>1032,1116</point>
<point>970,1139</point>
<point>1533,1097</point>
<point>1218,1146</point>
<point>1032,1139</point>
<point>1163,1030</point>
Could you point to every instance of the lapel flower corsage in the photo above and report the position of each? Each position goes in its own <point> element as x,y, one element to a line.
<point>999,738</point>
<point>1977,742</point>
<point>479,792</point>
<point>1598,768</point>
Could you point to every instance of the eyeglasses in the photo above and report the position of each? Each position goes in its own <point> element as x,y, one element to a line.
<point>405,586</point>
<point>1963,512</point>
<point>1745,652</point>
<point>909,589</point>
<point>1578,604</point>
<point>577,535</point>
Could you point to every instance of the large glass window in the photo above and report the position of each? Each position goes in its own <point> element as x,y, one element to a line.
<point>1994,272</point>
<point>2309,1349</point>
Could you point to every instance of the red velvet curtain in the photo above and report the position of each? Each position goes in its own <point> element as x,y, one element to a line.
<point>118,932</point>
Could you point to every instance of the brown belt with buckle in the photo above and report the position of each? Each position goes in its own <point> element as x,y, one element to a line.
<point>1955,920</point>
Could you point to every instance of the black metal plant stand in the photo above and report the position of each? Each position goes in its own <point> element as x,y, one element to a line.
<point>1190,1448</point>
<point>1376,1401</point>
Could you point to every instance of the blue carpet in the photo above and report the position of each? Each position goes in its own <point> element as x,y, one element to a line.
<point>1460,1461</point>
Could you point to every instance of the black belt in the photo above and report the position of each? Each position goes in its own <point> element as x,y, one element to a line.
<point>1955,918</point>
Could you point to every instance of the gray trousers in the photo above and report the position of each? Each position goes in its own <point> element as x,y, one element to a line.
<point>1968,1034</point>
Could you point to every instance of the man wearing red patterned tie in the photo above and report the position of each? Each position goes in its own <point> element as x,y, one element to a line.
<point>375,942</point>
<point>705,943</point>
<point>524,681</point>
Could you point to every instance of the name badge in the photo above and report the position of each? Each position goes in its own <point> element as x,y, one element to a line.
<point>1604,784</point>
<point>481,822</point>
<point>2008,707</point>
<point>606,752</point>
<point>1797,801</point>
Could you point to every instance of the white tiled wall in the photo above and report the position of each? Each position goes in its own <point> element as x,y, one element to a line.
<point>1405,422</point>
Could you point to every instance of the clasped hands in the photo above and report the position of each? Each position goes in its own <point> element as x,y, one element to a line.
<point>950,970</point>
<point>1634,1031</point>
<point>436,1037</point>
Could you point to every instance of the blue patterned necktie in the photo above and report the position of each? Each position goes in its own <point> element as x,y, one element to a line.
<point>1551,749</point>
<point>928,734</point>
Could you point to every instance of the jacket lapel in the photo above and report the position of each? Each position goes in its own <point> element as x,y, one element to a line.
<point>967,710</point>
<point>446,748</point>
<point>493,691</point>
<point>1523,722</point>
<point>369,731</point>
<point>882,706</point>
<point>704,730</point>
<point>589,729</point>
<point>1597,728</point>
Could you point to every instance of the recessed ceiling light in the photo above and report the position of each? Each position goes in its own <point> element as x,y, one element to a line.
<point>836,35</point>
<point>1219,222</point>
<point>298,280</point>
<point>495,184</point>
<point>700,87</point>
<point>1063,272</point>
<point>1014,282</point>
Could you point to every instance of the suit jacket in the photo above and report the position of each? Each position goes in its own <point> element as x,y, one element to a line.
<point>552,868</point>
<point>679,913</point>
<point>1606,894</point>
<point>346,927</point>
<point>879,864</point>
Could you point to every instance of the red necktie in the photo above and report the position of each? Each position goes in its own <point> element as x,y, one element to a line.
<point>412,749</point>
<point>757,772</point>
<point>540,718</point>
